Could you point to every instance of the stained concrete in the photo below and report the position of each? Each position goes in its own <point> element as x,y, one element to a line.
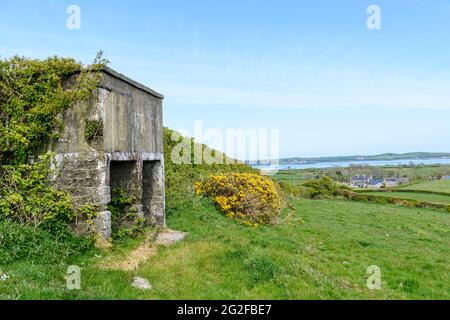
<point>126,153</point>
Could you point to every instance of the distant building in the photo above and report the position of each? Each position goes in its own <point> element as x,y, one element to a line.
<point>360,181</point>
<point>394,182</point>
<point>376,183</point>
<point>364,181</point>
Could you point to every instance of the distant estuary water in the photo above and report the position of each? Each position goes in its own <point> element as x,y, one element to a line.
<point>322,165</point>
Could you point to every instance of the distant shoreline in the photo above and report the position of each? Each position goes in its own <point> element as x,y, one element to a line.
<point>343,164</point>
<point>413,156</point>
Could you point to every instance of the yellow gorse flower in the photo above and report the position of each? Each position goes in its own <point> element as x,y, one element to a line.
<point>247,197</point>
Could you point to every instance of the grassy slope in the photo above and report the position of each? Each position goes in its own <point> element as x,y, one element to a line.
<point>322,253</point>
<point>326,257</point>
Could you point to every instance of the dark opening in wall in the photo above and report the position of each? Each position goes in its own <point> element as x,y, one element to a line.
<point>123,176</point>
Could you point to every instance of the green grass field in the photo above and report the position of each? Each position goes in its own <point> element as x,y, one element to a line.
<point>436,186</point>
<point>421,172</point>
<point>413,196</point>
<point>320,250</point>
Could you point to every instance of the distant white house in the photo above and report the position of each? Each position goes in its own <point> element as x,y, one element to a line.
<point>360,181</point>
<point>364,181</point>
<point>376,183</point>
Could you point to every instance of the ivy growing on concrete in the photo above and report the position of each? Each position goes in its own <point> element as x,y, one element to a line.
<point>33,95</point>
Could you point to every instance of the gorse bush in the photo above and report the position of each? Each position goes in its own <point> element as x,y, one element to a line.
<point>180,178</point>
<point>248,197</point>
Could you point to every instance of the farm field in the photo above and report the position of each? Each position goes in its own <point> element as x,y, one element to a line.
<point>436,186</point>
<point>413,196</point>
<point>320,250</point>
<point>387,171</point>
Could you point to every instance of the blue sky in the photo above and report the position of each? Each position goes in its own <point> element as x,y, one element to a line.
<point>309,68</point>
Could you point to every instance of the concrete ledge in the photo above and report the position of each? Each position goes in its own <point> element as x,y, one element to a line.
<point>133,156</point>
<point>136,84</point>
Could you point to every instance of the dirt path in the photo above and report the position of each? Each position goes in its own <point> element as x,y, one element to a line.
<point>146,250</point>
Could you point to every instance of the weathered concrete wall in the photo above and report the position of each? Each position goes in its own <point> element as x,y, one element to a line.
<point>127,153</point>
<point>153,191</point>
<point>133,119</point>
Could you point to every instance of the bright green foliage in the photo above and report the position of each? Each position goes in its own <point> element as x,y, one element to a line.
<point>93,128</point>
<point>88,213</point>
<point>32,95</point>
<point>324,187</point>
<point>27,195</point>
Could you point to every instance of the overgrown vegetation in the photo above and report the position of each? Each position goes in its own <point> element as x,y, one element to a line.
<point>247,197</point>
<point>35,217</point>
<point>28,197</point>
<point>93,129</point>
<point>125,221</point>
<point>33,93</point>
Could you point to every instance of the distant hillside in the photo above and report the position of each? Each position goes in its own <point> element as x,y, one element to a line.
<point>384,156</point>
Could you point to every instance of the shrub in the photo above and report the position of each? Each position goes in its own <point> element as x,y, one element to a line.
<point>324,187</point>
<point>180,178</point>
<point>297,191</point>
<point>28,196</point>
<point>248,197</point>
